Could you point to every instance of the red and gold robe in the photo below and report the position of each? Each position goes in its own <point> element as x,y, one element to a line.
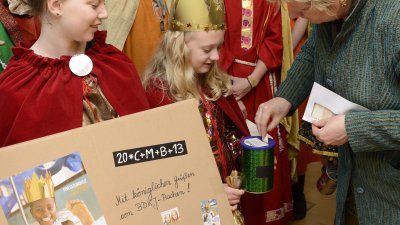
<point>230,124</point>
<point>274,207</point>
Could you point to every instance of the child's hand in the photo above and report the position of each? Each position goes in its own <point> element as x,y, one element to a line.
<point>79,209</point>
<point>242,108</point>
<point>233,196</point>
<point>240,87</point>
<point>2,42</point>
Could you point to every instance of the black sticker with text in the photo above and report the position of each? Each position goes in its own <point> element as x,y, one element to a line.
<point>149,153</point>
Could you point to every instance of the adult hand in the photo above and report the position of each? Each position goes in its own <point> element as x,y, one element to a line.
<point>270,113</point>
<point>240,87</point>
<point>2,42</point>
<point>233,196</point>
<point>331,131</point>
<point>242,108</point>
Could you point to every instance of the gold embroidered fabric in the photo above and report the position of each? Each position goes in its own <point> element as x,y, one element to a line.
<point>306,136</point>
<point>227,134</point>
<point>225,144</point>
<point>96,108</point>
<point>247,24</point>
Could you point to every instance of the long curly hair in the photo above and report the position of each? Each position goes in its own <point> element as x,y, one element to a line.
<point>170,71</point>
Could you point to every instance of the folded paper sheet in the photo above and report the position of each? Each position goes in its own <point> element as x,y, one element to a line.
<point>324,103</point>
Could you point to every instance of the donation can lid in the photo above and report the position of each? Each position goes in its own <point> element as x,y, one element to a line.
<point>256,143</point>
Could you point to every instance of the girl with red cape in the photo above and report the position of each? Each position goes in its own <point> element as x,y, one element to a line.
<point>67,78</point>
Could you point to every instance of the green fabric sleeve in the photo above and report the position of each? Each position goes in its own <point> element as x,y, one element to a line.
<point>300,79</point>
<point>5,50</point>
<point>374,130</point>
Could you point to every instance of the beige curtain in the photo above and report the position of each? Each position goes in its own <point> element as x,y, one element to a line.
<point>291,123</point>
<point>121,14</point>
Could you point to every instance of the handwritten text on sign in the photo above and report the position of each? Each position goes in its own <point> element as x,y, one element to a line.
<point>149,153</point>
<point>152,195</point>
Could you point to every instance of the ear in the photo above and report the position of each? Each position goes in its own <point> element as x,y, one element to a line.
<point>54,7</point>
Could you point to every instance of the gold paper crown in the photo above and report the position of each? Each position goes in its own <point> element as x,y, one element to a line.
<point>39,188</point>
<point>197,15</point>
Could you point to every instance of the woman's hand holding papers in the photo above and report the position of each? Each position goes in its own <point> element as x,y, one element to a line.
<point>331,131</point>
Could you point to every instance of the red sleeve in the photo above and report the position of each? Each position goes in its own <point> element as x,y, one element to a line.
<point>271,49</point>
<point>157,97</point>
<point>226,57</point>
<point>231,109</point>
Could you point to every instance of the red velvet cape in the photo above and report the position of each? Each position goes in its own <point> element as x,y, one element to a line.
<point>40,96</point>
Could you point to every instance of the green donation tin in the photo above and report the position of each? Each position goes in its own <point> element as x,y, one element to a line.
<point>258,164</point>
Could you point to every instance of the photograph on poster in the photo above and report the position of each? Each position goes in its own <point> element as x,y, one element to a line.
<point>55,193</point>
<point>170,216</point>
<point>210,212</point>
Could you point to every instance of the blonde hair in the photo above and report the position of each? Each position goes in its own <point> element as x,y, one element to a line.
<point>170,71</point>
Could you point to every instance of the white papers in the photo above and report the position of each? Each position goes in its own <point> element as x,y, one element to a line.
<point>254,131</point>
<point>252,128</point>
<point>255,142</point>
<point>323,103</point>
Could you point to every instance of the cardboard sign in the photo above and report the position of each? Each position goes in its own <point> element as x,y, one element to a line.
<point>149,168</point>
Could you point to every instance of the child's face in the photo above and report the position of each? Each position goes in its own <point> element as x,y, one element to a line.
<point>174,215</point>
<point>203,49</point>
<point>80,19</point>
<point>44,211</point>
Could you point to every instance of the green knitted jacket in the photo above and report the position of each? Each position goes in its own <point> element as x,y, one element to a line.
<point>362,64</point>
